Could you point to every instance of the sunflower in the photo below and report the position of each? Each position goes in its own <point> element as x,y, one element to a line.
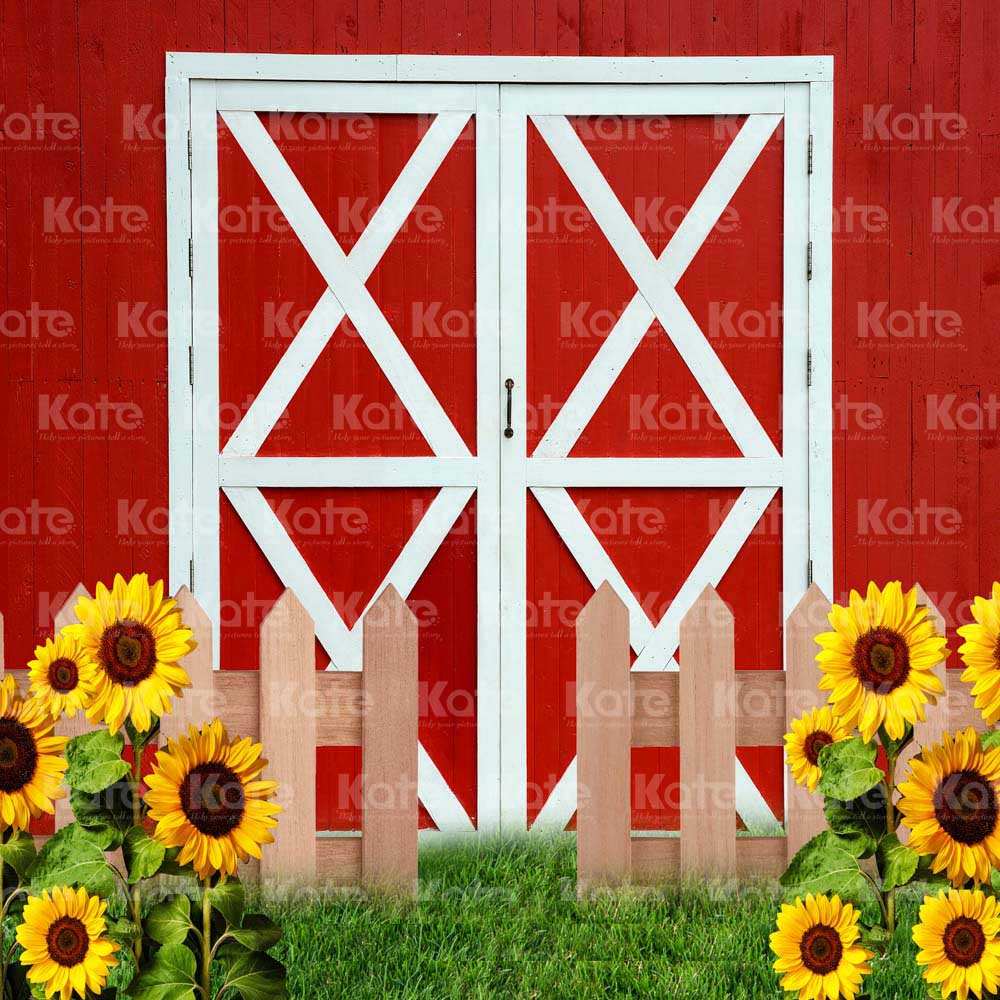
<point>949,804</point>
<point>957,935</point>
<point>136,638</point>
<point>207,799</point>
<point>817,949</point>
<point>877,662</point>
<point>62,675</point>
<point>62,942</point>
<point>31,767</point>
<point>810,733</point>
<point>981,654</point>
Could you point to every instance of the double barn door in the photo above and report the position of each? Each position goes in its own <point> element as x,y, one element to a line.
<point>494,343</point>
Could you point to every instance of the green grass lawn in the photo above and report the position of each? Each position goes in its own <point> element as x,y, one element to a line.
<point>502,920</point>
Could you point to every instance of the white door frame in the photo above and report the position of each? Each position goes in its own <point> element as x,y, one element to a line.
<point>200,85</point>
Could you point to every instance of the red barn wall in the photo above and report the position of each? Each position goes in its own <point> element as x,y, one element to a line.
<point>83,231</point>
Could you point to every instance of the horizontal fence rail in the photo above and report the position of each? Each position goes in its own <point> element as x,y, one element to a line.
<point>292,709</point>
<point>707,709</point>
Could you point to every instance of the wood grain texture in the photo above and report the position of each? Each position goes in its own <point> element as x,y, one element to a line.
<point>887,250</point>
<point>708,738</point>
<point>288,732</point>
<point>804,810</point>
<point>389,817</point>
<point>197,705</point>
<point>603,742</point>
<point>760,708</point>
<point>658,859</point>
<point>66,726</point>
<point>338,860</point>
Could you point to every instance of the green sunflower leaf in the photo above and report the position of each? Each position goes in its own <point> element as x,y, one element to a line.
<point>229,899</point>
<point>256,976</point>
<point>19,852</point>
<point>894,747</point>
<point>258,933</point>
<point>140,740</point>
<point>170,921</point>
<point>848,768</point>
<point>169,976</point>
<point>876,938</point>
<point>863,818</point>
<point>108,812</point>
<point>827,864</point>
<point>897,863</point>
<point>934,881</point>
<point>171,867</point>
<point>990,739</point>
<point>73,856</point>
<point>143,855</point>
<point>95,760</point>
<point>122,931</point>
<point>229,951</point>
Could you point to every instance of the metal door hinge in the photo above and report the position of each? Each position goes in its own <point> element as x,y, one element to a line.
<point>191,152</point>
<point>191,364</point>
<point>809,158</point>
<point>809,368</point>
<point>809,261</point>
<point>191,574</point>
<point>809,572</point>
<point>191,256</point>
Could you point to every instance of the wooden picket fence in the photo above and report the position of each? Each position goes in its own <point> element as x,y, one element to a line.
<point>292,709</point>
<point>708,709</point>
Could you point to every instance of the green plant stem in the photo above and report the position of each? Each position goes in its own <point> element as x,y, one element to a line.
<point>7,900</point>
<point>5,961</point>
<point>890,827</point>
<point>137,821</point>
<point>206,940</point>
<point>879,895</point>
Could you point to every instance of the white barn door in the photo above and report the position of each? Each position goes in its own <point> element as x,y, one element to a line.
<point>537,461</point>
<point>512,460</point>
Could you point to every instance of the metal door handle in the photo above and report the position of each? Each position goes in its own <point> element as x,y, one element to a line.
<point>509,386</point>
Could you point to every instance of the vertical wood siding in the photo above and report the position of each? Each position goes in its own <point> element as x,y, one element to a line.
<point>83,488</point>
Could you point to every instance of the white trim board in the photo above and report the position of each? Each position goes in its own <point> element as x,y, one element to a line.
<point>502,93</point>
<point>501,69</point>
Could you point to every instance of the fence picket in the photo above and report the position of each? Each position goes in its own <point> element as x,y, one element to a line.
<point>197,705</point>
<point>604,741</point>
<point>288,732</point>
<point>78,725</point>
<point>291,708</point>
<point>389,739</point>
<point>803,809</point>
<point>707,738</point>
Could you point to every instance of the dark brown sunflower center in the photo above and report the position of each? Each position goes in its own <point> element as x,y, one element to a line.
<point>881,660</point>
<point>128,652</point>
<point>67,941</point>
<point>814,743</point>
<point>63,674</point>
<point>18,755</point>
<point>964,941</point>
<point>821,949</point>
<point>965,805</point>
<point>213,799</point>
